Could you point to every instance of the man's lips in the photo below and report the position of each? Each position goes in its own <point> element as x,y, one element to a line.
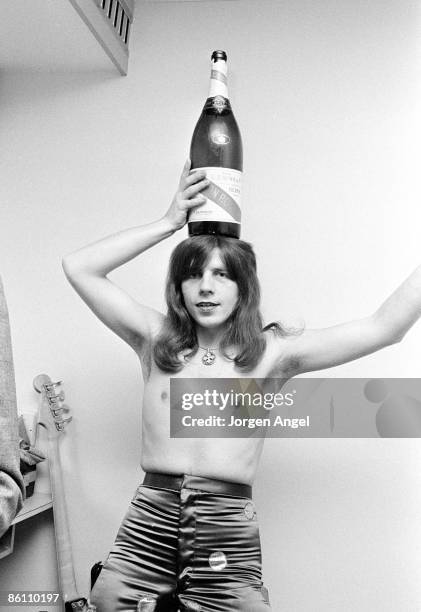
<point>206,308</point>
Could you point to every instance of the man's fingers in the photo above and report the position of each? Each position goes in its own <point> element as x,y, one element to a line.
<point>195,202</point>
<point>195,188</point>
<point>193,177</point>
<point>186,169</point>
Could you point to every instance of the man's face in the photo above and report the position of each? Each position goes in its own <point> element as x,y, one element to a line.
<point>210,295</point>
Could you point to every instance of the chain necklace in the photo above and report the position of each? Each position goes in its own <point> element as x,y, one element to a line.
<point>209,356</point>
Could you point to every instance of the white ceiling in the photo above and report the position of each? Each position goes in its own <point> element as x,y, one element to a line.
<point>48,35</point>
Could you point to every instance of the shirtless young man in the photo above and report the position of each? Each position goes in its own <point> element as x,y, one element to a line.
<point>190,539</point>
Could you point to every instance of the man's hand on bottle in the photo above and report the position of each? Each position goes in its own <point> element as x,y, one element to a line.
<point>187,196</point>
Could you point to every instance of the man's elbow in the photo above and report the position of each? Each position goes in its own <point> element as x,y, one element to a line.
<point>395,339</point>
<point>398,337</point>
<point>73,268</point>
<point>68,265</point>
<point>386,332</point>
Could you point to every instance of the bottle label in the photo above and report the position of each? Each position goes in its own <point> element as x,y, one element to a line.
<point>223,196</point>
<point>219,76</point>
<point>218,80</point>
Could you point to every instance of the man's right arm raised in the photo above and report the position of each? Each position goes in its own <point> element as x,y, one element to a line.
<point>87,268</point>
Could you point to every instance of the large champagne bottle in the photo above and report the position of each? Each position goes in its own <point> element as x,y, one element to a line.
<point>216,147</point>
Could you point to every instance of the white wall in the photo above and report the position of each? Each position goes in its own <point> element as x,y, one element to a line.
<point>327,95</point>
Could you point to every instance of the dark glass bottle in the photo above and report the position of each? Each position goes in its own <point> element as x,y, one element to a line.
<point>216,146</point>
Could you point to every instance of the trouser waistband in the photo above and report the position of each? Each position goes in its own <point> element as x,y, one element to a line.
<point>187,481</point>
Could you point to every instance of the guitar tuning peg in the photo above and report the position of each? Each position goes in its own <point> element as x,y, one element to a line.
<point>59,410</point>
<point>60,425</point>
<point>55,399</point>
<point>53,387</point>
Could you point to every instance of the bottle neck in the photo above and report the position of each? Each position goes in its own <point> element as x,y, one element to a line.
<point>218,80</point>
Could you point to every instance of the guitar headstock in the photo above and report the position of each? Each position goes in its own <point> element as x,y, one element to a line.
<point>51,406</point>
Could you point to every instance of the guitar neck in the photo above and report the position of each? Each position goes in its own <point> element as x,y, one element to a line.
<point>51,417</point>
<point>61,526</point>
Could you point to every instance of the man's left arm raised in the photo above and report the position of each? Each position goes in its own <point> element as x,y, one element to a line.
<point>317,349</point>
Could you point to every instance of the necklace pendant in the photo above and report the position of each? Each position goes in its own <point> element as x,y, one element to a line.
<point>208,358</point>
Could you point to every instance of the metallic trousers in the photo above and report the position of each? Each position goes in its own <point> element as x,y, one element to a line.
<point>187,543</point>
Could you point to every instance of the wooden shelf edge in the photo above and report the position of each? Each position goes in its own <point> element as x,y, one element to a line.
<point>38,502</point>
